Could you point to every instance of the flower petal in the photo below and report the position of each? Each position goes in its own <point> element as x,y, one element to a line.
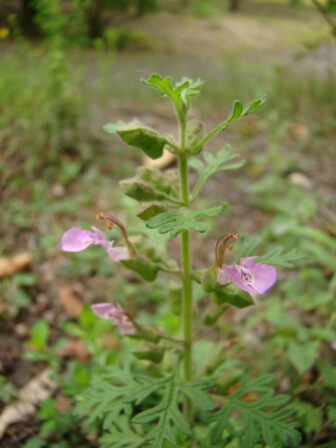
<point>103,310</point>
<point>223,276</point>
<point>241,278</point>
<point>264,275</point>
<point>114,253</point>
<point>76,239</point>
<point>117,315</point>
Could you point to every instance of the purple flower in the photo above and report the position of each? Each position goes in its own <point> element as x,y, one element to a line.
<point>254,278</point>
<point>76,239</point>
<point>117,315</point>
<point>333,345</point>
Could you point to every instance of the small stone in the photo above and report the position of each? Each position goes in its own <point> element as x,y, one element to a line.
<point>284,385</point>
<point>300,179</point>
<point>62,403</point>
<point>22,331</point>
<point>58,190</point>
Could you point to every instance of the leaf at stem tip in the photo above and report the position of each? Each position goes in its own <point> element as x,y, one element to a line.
<point>240,111</point>
<point>179,93</point>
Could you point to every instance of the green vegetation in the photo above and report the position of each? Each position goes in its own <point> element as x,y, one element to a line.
<point>58,168</point>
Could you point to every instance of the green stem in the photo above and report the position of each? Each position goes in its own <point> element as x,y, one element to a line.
<point>187,279</point>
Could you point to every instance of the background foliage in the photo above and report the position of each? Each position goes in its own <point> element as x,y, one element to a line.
<point>71,66</point>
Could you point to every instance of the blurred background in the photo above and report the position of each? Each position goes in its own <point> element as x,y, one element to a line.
<point>68,67</point>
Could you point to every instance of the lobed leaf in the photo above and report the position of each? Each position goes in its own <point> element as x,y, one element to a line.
<point>278,258</point>
<point>121,435</point>
<point>184,219</point>
<point>179,93</point>
<point>140,136</point>
<point>238,111</point>
<point>212,165</point>
<point>262,417</point>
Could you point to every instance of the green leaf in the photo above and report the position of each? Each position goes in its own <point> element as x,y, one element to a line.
<point>121,435</point>
<point>24,279</point>
<point>160,181</point>
<point>166,414</point>
<point>106,397</point>
<point>263,419</point>
<point>7,390</point>
<point>149,210</point>
<point>35,356</point>
<point>139,190</point>
<point>118,394</point>
<point>310,417</point>
<point>232,295</point>
<point>213,164</point>
<point>303,355</point>
<point>332,414</point>
<point>238,111</point>
<point>184,219</point>
<point>278,258</point>
<point>147,270</point>
<point>247,247</point>
<point>150,185</point>
<point>140,136</point>
<point>154,354</point>
<point>39,335</point>
<point>179,93</point>
<point>194,135</point>
<point>195,392</point>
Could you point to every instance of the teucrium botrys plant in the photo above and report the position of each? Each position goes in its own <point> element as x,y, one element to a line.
<point>139,409</point>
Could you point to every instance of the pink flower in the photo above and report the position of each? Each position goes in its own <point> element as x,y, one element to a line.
<point>333,345</point>
<point>254,278</point>
<point>76,240</point>
<point>117,315</point>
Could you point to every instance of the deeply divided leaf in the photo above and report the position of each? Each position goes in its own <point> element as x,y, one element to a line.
<point>184,219</point>
<point>262,415</point>
<point>115,401</point>
<point>223,160</point>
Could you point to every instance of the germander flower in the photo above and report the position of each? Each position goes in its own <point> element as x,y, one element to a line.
<point>76,240</point>
<point>254,278</point>
<point>117,315</point>
<point>333,345</point>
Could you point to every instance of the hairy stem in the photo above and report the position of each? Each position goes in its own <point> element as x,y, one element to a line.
<point>187,279</point>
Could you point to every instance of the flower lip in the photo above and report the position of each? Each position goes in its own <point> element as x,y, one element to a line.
<point>117,315</point>
<point>76,239</point>
<point>254,278</point>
